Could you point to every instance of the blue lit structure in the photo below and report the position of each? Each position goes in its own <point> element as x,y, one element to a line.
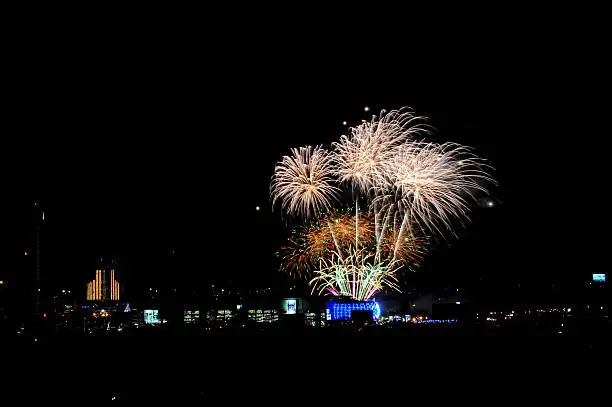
<point>342,310</point>
<point>600,278</point>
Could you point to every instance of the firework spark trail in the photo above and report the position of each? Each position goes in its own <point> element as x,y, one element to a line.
<point>303,182</point>
<point>354,275</point>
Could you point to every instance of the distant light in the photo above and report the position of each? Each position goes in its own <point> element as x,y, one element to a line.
<point>490,203</point>
<point>1,282</point>
<point>25,253</point>
<point>63,291</point>
<point>43,215</point>
<point>457,302</point>
<point>344,122</point>
<point>257,208</point>
<point>366,109</point>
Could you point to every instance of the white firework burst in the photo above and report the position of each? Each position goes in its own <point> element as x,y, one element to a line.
<point>304,182</point>
<point>361,155</point>
<point>432,184</point>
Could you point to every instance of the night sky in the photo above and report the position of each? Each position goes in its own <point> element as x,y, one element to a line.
<point>137,144</point>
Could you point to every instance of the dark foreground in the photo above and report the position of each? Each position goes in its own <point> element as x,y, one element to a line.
<point>425,363</point>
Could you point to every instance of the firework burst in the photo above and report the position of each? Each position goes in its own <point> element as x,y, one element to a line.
<point>303,182</point>
<point>432,185</point>
<point>410,190</point>
<point>355,275</point>
<point>360,157</point>
<point>335,233</point>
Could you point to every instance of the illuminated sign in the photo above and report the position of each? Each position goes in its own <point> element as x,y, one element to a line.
<point>342,310</point>
<point>151,316</point>
<point>600,278</point>
<point>290,305</point>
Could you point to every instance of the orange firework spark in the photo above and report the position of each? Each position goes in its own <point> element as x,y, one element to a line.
<point>337,232</point>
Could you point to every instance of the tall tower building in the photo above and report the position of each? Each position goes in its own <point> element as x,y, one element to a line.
<point>105,286</point>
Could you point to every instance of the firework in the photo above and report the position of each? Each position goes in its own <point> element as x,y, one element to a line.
<point>410,190</point>
<point>431,185</point>
<point>355,275</point>
<point>360,157</point>
<point>320,237</point>
<point>303,182</point>
<point>335,233</point>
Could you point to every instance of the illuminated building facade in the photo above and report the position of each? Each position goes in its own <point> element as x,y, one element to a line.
<point>342,310</point>
<point>293,305</point>
<point>263,316</point>
<point>105,286</point>
<point>191,316</point>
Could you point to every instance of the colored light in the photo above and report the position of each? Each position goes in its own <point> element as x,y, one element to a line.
<point>342,310</point>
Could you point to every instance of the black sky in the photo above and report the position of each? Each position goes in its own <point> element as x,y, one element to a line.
<point>136,141</point>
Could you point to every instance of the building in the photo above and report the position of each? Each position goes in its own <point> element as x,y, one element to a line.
<point>294,305</point>
<point>191,316</point>
<point>105,286</point>
<point>346,309</point>
<point>263,316</point>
